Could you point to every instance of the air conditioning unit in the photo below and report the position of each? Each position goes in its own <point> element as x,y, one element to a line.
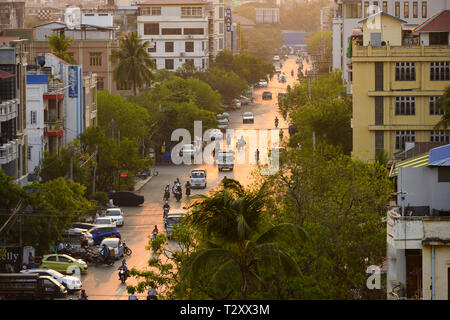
<point>190,36</point>
<point>182,54</point>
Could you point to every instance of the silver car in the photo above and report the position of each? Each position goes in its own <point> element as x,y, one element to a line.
<point>198,179</point>
<point>70,282</point>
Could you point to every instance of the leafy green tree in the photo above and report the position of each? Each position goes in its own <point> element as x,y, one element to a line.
<point>443,104</point>
<point>59,45</point>
<point>239,243</point>
<point>340,202</point>
<point>320,48</point>
<point>10,193</point>
<point>227,83</point>
<point>134,63</point>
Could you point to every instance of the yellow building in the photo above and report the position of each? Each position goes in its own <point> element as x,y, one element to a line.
<point>397,76</point>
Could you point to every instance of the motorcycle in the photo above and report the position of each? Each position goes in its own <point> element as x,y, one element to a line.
<point>100,259</point>
<point>166,211</point>
<point>123,274</point>
<point>178,195</point>
<point>166,195</point>
<point>276,122</point>
<point>188,191</point>
<point>126,250</point>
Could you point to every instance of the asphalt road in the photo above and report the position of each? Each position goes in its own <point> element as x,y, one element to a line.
<point>102,283</point>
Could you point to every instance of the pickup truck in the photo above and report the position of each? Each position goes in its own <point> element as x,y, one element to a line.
<point>225,160</point>
<point>18,286</point>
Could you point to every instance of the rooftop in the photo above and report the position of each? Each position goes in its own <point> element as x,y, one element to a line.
<point>440,22</point>
<point>384,14</point>
<point>172,2</point>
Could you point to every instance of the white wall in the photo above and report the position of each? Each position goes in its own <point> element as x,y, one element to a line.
<point>423,188</point>
<point>96,19</point>
<point>35,132</point>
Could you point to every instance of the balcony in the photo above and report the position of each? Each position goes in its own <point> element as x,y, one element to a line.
<point>400,51</point>
<point>8,152</point>
<point>8,110</point>
<point>55,128</point>
<point>55,90</point>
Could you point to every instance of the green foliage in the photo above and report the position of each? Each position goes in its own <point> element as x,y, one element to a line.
<point>10,193</point>
<point>100,198</point>
<point>59,45</point>
<point>327,113</point>
<point>262,41</point>
<point>443,104</point>
<point>320,48</point>
<point>340,202</point>
<point>134,63</point>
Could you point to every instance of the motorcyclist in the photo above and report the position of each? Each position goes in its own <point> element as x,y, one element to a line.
<point>281,134</point>
<point>152,294</point>
<point>166,205</point>
<point>132,296</point>
<point>123,267</point>
<point>188,188</point>
<point>167,192</point>
<point>292,72</point>
<point>83,295</point>
<point>155,232</point>
<point>276,122</point>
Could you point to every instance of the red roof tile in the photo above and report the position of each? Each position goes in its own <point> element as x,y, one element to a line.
<point>439,22</point>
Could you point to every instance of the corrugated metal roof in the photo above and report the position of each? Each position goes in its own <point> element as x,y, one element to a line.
<point>440,156</point>
<point>416,162</point>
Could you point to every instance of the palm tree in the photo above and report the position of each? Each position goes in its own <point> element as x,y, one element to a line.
<point>59,45</point>
<point>443,103</point>
<point>241,242</point>
<point>134,62</point>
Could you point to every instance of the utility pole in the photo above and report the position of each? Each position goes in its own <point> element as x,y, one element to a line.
<point>71,162</point>
<point>95,169</point>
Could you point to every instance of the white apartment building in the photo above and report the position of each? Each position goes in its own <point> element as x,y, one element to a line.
<point>218,33</point>
<point>347,13</point>
<point>177,31</point>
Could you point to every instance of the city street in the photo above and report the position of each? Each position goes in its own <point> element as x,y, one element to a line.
<point>102,282</point>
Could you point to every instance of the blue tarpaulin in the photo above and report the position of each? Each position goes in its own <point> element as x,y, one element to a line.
<point>440,156</point>
<point>295,38</point>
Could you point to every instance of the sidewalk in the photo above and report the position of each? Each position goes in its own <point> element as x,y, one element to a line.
<point>141,183</point>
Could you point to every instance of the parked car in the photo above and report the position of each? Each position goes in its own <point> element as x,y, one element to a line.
<point>282,78</point>
<point>267,95</point>
<point>237,103</point>
<point>226,115</point>
<point>245,100</point>
<point>276,58</point>
<point>248,117</point>
<point>116,214</point>
<point>116,244</point>
<point>173,218</point>
<point>281,96</point>
<point>19,286</point>
<point>198,178</point>
<point>263,83</point>
<point>101,232</point>
<point>213,134</point>
<point>104,220</point>
<point>188,150</point>
<point>83,225</point>
<point>277,69</point>
<point>63,263</point>
<point>77,237</point>
<point>126,198</point>
<point>70,282</point>
<point>299,60</point>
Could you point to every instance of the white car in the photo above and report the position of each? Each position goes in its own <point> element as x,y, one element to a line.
<point>263,83</point>
<point>213,134</point>
<point>277,69</point>
<point>223,124</point>
<point>276,58</point>
<point>104,221</point>
<point>237,103</point>
<point>187,149</point>
<point>70,282</point>
<point>198,178</point>
<point>248,117</point>
<point>116,214</point>
<point>114,243</point>
<point>245,100</point>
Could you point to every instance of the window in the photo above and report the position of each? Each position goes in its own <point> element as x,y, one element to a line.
<point>405,106</point>
<point>403,136</point>
<point>29,152</point>
<point>366,8</point>
<point>152,11</point>
<point>171,31</point>
<point>385,7</point>
<point>123,86</point>
<point>100,83</point>
<point>64,259</point>
<point>33,117</point>
<point>438,38</point>
<point>440,136</point>
<point>190,61</point>
<point>440,71</point>
<point>415,9</point>
<point>169,64</point>
<point>424,9</point>
<point>154,62</point>
<point>151,28</point>
<point>221,28</point>
<point>152,47</point>
<point>191,12</point>
<point>169,46</point>
<point>188,31</point>
<point>444,176</point>
<point>189,46</point>
<point>203,63</point>
<point>51,258</point>
<point>406,9</point>
<point>220,43</point>
<point>405,71</point>
<point>433,108</point>
<point>95,58</point>
<point>220,12</point>
<point>397,9</point>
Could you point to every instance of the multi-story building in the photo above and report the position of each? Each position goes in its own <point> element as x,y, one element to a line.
<point>13,140</point>
<point>397,78</point>
<point>62,104</point>
<point>418,228</point>
<point>218,32</point>
<point>12,14</point>
<point>91,48</point>
<point>348,13</point>
<point>177,31</point>
<point>124,18</point>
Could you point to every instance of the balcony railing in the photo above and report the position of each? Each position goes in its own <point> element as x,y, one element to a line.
<point>8,110</point>
<point>8,152</point>
<point>55,87</point>
<point>409,50</point>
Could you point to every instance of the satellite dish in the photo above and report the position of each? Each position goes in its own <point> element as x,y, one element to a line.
<point>72,18</point>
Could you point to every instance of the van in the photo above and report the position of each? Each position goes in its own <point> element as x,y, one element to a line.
<point>77,237</point>
<point>16,286</point>
<point>198,178</point>
<point>225,160</point>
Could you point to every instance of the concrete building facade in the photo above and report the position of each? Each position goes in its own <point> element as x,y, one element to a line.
<point>397,81</point>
